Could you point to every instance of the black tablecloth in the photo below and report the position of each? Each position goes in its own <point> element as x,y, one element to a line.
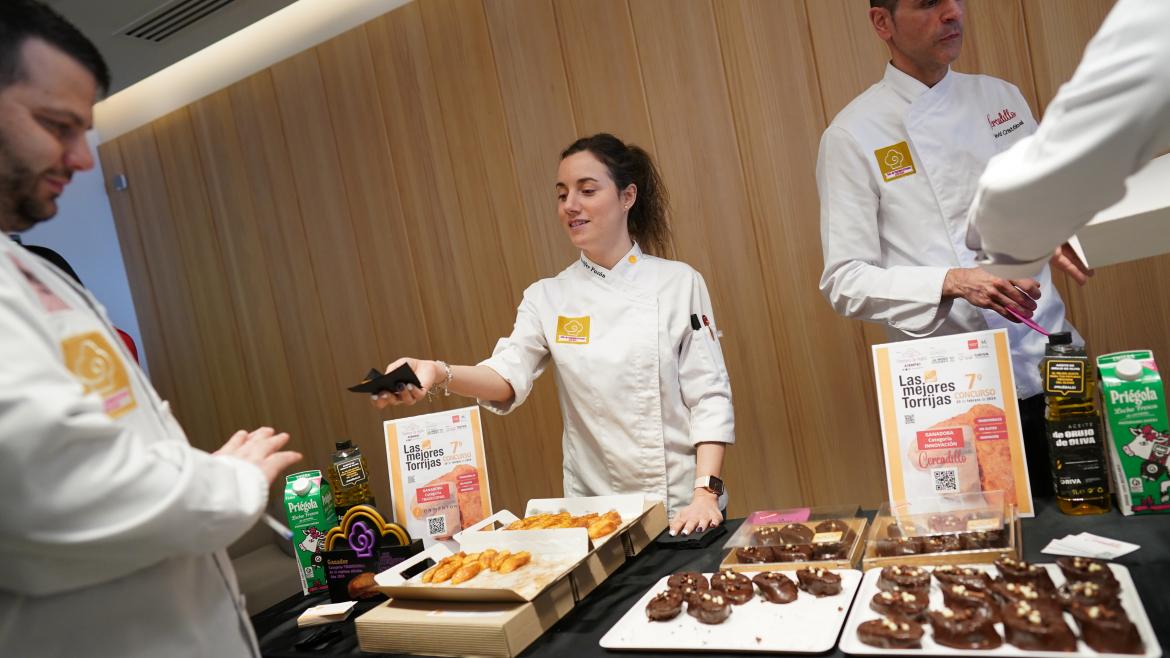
<point>580,631</point>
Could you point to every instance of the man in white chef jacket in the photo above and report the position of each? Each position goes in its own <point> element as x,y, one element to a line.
<point>111,525</point>
<point>896,172</point>
<point>1105,123</point>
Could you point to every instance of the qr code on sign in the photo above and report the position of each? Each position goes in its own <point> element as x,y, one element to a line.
<point>437,525</point>
<point>946,480</point>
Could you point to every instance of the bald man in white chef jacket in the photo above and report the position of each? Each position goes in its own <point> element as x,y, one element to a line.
<point>896,172</point>
<point>112,527</point>
<point>1105,123</point>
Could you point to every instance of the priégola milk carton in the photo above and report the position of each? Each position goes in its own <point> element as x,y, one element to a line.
<point>1139,435</point>
<point>309,503</point>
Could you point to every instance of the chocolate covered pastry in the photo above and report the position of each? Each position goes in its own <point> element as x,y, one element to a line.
<point>831,551</point>
<point>970,541</point>
<point>1083,594</point>
<point>886,633</point>
<point>903,578</point>
<point>836,525</point>
<point>755,554</point>
<point>946,523</point>
<point>1013,593</point>
<point>710,608</point>
<point>690,584</point>
<point>1036,629</point>
<point>1016,571</point>
<point>908,604</point>
<point>1108,629</point>
<point>735,586</point>
<point>959,596</point>
<point>775,587</point>
<point>665,605</point>
<point>1083,569</point>
<point>792,553</point>
<point>972,578</point>
<point>692,579</point>
<point>898,547</point>
<point>941,544</point>
<point>964,628</point>
<point>796,533</point>
<point>819,582</point>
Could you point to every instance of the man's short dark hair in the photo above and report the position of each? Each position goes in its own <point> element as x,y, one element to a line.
<point>21,20</point>
<point>888,5</point>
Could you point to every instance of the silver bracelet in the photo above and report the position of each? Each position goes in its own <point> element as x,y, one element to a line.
<point>450,378</point>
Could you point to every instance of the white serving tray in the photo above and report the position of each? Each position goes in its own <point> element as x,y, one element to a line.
<point>862,613</point>
<point>807,625</point>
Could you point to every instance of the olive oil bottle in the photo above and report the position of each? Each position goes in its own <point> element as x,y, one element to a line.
<point>349,478</point>
<point>1072,421</point>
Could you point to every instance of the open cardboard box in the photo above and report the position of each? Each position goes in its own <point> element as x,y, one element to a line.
<point>504,629</point>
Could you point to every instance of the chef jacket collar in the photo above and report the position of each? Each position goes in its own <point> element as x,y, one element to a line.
<point>909,87</point>
<point>625,268</point>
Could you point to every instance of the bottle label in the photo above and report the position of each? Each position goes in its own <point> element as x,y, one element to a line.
<point>350,472</point>
<point>1064,376</point>
<point>1078,459</point>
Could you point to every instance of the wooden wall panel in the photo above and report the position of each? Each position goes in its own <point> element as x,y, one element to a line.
<point>334,255</point>
<point>146,308</point>
<point>390,192</point>
<point>601,61</point>
<point>229,194</point>
<point>695,139</point>
<point>995,43</point>
<point>771,74</point>
<point>276,212</point>
<point>849,56</point>
<point>535,95</point>
<point>191,397</point>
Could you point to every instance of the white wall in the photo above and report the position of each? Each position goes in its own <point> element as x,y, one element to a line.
<point>83,232</point>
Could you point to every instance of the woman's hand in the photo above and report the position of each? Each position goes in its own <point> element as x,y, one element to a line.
<point>428,372</point>
<point>702,513</point>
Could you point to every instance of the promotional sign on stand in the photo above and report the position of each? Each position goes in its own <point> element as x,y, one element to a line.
<point>438,476</point>
<point>949,417</point>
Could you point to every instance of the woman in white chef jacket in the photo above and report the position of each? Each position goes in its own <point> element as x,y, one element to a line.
<point>642,384</point>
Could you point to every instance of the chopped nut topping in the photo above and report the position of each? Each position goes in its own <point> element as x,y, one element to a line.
<point>1094,612</point>
<point>905,626</point>
<point>959,589</point>
<point>1034,617</point>
<point>889,624</point>
<point>947,612</point>
<point>887,596</point>
<point>907,596</point>
<point>1094,567</point>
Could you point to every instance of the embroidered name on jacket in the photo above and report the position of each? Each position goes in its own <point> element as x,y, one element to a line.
<point>573,331</point>
<point>999,120</point>
<point>895,161</point>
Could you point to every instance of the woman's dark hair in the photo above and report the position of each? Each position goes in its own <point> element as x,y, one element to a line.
<point>21,20</point>
<point>647,220</point>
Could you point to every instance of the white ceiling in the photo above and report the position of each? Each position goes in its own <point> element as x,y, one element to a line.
<point>132,59</point>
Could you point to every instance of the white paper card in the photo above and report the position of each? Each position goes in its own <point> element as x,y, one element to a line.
<point>326,614</point>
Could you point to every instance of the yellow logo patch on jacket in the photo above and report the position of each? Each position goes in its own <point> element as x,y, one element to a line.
<point>96,364</point>
<point>574,331</point>
<point>895,161</point>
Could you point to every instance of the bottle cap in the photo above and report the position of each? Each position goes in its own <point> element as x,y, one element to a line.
<point>343,445</point>
<point>1060,338</point>
<point>1129,369</point>
<point>302,486</point>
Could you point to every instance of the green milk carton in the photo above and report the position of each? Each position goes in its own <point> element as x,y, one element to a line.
<point>1139,435</point>
<point>309,503</point>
